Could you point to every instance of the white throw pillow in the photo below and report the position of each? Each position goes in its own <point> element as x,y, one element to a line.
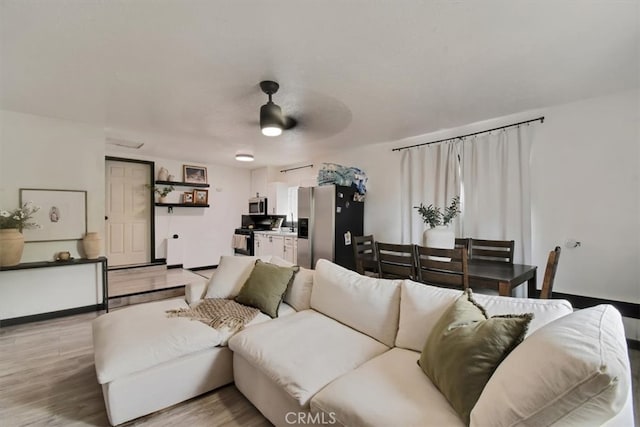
<point>573,371</point>
<point>230,275</point>
<point>298,293</point>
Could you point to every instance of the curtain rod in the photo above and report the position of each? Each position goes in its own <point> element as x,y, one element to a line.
<point>293,169</point>
<point>541,119</point>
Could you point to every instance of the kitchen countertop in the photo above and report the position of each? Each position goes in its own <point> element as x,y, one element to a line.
<point>284,232</point>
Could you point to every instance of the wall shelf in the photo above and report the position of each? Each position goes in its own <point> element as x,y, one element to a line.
<point>183,184</point>
<point>182,205</point>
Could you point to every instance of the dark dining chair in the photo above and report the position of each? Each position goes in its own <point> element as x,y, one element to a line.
<point>492,250</point>
<point>395,261</point>
<point>550,273</point>
<point>364,253</point>
<point>463,243</point>
<point>442,267</point>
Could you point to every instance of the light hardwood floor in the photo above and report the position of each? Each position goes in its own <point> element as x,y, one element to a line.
<point>47,378</point>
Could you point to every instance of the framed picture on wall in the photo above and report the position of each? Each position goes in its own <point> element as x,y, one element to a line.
<point>187,197</point>
<point>62,214</point>
<point>201,197</point>
<point>195,174</point>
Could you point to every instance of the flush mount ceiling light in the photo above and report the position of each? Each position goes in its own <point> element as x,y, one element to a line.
<point>244,157</point>
<point>272,122</point>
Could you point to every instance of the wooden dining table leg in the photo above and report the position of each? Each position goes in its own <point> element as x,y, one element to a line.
<point>531,286</point>
<point>504,289</point>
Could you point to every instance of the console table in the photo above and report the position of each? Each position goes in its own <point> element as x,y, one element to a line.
<point>39,294</point>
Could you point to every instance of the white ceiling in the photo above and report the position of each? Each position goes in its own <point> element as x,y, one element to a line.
<point>182,76</point>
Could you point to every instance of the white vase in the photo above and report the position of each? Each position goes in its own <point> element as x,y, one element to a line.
<point>163,174</point>
<point>441,237</point>
<point>91,244</point>
<point>11,247</point>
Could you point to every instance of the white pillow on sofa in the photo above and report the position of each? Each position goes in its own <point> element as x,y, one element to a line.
<point>230,275</point>
<point>298,293</point>
<point>572,371</point>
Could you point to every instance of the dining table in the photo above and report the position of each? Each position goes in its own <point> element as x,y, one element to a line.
<point>502,276</point>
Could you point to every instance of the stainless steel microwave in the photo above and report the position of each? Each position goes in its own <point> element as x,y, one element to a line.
<point>258,206</point>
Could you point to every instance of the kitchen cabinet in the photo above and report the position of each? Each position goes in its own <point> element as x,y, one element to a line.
<point>276,244</point>
<point>268,244</point>
<point>259,182</point>
<point>260,242</point>
<point>291,249</point>
<point>278,199</point>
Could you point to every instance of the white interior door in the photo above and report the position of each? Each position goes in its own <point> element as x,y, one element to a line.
<point>128,212</point>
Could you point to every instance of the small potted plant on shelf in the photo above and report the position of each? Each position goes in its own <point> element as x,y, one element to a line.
<point>162,192</point>
<point>439,235</point>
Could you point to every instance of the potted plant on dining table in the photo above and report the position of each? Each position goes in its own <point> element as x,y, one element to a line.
<point>439,235</point>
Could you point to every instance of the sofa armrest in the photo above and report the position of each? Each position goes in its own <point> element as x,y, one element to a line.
<point>194,292</point>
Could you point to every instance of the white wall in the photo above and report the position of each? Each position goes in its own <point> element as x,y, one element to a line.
<point>205,234</point>
<point>41,152</point>
<point>584,165</point>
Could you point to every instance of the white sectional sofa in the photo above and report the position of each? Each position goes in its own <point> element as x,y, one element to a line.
<point>344,351</point>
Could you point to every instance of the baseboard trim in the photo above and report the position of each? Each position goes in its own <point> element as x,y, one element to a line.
<point>132,266</point>
<point>49,315</point>
<point>627,309</point>
<point>172,266</point>
<point>145,292</point>
<point>205,267</point>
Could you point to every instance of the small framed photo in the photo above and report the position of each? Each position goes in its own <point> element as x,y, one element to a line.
<point>195,174</point>
<point>187,197</point>
<point>201,197</point>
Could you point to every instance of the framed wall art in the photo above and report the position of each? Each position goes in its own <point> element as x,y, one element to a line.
<point>62,214</point>
<point>187,197</point>
<point>195,174</point>
<point>201,197</point>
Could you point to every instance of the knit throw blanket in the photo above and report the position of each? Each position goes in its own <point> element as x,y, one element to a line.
<point>218,312</point>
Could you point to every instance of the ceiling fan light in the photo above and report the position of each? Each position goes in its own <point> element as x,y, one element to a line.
<point>271,131</point>
<point>244,157</point>
<point>271,121</point>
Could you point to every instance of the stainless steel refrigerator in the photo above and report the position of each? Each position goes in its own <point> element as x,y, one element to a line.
<point>328,219</point>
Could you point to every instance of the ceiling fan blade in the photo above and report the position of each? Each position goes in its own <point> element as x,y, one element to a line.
<point>289,122</point>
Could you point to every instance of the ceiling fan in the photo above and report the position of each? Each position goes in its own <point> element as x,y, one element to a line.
<point>272,121</point>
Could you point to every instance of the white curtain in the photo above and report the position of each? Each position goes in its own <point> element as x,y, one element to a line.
<point>430,175</point>
<point>495,179</point>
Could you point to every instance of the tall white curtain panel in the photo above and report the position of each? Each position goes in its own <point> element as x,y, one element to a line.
<point>496,183</point>
<point>430,175</point>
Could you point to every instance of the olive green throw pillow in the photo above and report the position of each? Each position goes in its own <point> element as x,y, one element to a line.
<point>265,287</point>
<point>465,348</point>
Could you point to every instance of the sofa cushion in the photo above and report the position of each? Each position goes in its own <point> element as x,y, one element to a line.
<point>573,371</point>
<point>304,352</point>
<point>226,333</point>
<point>465,348</point>
<point>368,305</point>
<point>423,305</point>
<point>298,293</point>
<point>389,390</point>
<point>230,276</point>
<point>139,337</point>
